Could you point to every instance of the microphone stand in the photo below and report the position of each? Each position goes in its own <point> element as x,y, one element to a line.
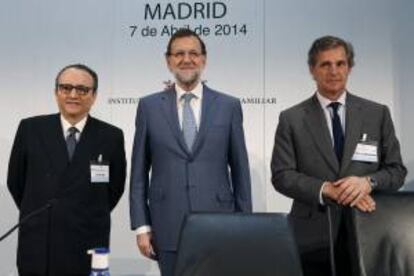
<point>331,242</point>
<point>47,207</point>
<point>26,218</point>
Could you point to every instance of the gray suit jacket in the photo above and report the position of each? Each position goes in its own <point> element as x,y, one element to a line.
<point>303,158</point>
<point>169,181</point>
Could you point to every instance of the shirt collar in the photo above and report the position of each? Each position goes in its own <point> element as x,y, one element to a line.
<point>79,125</point>
<point>324,102</point>
<point>197,91</point>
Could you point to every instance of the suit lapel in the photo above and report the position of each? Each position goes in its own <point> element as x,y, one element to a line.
<point>54,143</point>
<point>89,139</point>
<point>353,129</point>
<point>169,109</point>
<point>316,124</point>
<point>207,111</point>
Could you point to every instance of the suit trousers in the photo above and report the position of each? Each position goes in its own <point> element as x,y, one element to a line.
<point>343,249</point>
<point>166,262</point>
<point>317,262</point>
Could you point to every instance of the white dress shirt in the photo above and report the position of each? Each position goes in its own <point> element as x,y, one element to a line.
<point>325,102</point>
<point>66,125</point>
<point>195,103</point>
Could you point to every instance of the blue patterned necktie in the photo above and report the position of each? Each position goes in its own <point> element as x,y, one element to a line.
<point>337,132</point>
<point>189,123</point>
<point>71,141</point>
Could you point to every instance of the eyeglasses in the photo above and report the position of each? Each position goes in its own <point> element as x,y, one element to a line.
<point>80,90</point>
<point>182,54</point>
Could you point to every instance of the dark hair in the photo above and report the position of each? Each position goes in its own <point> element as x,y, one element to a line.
<point>330,42</point>
<point>184,32</point>
<point>79,67</point>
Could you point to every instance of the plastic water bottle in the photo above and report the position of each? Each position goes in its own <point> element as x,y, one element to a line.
<point>100,261</point>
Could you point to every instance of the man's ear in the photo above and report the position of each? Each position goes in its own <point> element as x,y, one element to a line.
<point>311,71</point>
<point>167,60</point>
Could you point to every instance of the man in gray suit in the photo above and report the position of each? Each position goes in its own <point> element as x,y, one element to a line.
<point>191,139</point>
<point>334,148</point>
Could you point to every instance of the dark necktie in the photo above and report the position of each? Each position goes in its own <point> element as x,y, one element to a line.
<point>71,141</point>
<point>189,121</point>
<point>337,132</point>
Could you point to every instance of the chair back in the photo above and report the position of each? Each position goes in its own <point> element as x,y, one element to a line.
<point>237,244</point>
<point>384,239</point>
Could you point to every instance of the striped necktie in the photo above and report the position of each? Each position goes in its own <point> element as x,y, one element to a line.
<point>71,141</point>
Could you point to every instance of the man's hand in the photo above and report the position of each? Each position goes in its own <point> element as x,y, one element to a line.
<point>366,204</point>
<point>352,189</point>
<point>144,243</point>
<point>330,191</point>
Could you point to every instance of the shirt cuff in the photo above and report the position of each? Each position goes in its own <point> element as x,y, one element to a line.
<point>143,229</point>
<point>320,193</point>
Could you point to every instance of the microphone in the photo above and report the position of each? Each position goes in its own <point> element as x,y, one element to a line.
<point>32,214</point>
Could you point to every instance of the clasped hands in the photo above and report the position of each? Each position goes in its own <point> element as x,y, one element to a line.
<point>350,191</point>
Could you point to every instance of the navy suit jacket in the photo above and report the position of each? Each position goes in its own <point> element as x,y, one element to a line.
<point>57,240</point>
<point>169,181</point>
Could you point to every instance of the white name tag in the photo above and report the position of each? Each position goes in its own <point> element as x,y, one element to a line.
<point>99,172</point>
<point>366,152</point>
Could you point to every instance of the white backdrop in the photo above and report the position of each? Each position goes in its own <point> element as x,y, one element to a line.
<point>256,51</point>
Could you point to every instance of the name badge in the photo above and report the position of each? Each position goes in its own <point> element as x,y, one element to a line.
<point>366,151</point>
<point>99,171</point>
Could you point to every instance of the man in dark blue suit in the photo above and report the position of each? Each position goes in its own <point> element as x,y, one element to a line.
<point>73,166</point>
<point>191,139</point>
